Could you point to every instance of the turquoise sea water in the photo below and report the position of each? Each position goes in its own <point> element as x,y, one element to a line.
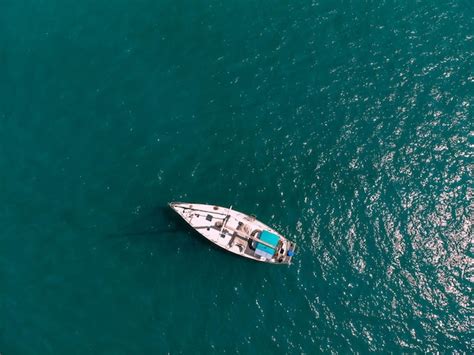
<point>346,125</point>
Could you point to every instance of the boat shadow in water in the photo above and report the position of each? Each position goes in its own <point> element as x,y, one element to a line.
<point>159,222</point>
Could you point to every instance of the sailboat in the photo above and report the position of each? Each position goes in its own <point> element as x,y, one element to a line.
<point>237,232</point>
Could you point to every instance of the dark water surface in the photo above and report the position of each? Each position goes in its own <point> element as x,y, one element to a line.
<point>346,125</point>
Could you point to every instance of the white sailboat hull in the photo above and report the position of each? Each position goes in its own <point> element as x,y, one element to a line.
<point>237,232</point>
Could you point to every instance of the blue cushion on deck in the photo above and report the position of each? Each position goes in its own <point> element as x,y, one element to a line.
<point>268,238</point>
